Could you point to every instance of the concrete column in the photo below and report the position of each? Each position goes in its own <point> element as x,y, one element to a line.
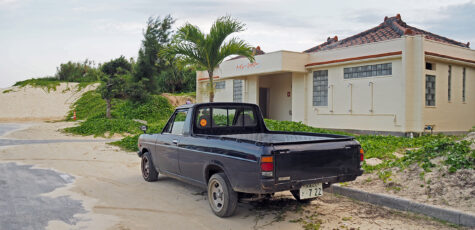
<point>299,99</point>
<point>413,68</point>
<point>252,89</point>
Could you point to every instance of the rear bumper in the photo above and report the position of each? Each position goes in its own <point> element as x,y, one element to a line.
<point>269,186</point>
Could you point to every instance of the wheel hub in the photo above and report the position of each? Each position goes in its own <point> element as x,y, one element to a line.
<point>216,195</point>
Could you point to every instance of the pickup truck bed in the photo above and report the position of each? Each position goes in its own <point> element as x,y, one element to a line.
<point>285,138</point>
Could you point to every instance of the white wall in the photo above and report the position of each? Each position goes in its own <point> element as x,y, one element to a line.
<point>349,104</point>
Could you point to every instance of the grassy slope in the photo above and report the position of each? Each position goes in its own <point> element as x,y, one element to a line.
<point>91,108</point>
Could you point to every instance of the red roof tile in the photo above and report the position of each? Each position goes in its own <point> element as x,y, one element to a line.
<point>391,28</point>
<point>255,51</point>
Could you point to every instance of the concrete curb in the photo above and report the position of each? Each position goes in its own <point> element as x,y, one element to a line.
<point>453,216</point>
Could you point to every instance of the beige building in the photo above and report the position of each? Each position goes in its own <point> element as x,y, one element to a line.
<point>392,78</point>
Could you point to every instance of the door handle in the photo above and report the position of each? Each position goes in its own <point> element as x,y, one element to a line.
<point>175,142</point>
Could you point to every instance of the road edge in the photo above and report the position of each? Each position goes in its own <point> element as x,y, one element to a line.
<point>453,216</point>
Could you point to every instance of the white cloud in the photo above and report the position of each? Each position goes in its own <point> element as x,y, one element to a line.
<point>36,36</point>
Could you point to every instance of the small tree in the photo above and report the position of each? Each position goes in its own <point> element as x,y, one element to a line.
<point>149,63</point>
<point>207,51</point>
<point>114,81</point>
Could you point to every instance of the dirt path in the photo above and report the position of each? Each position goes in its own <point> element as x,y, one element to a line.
<point>109,185</point>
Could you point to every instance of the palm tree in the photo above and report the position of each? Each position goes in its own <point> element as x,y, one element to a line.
<point>207,51</point>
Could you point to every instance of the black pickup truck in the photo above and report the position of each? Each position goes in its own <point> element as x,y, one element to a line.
<point>227,149</point>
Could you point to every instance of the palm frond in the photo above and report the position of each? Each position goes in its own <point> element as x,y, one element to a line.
<point>234,46</point>
<point>220,30</point>
<point>191,33</point>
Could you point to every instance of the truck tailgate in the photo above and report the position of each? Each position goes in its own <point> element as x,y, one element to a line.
<point>312,161</point>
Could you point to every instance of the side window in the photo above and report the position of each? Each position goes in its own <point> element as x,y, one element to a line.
<point>176,126</point>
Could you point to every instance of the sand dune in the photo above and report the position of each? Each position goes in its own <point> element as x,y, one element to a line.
<point>37,104</point>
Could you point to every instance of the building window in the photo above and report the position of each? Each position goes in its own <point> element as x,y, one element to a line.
<point>220,85</point>
<point>237,90</point>
<point>463,85</point>
<point>449,84</point>
<point>320,88</point>
<point>430,90</point>
<point>430,66</point>
<point>368,71</point>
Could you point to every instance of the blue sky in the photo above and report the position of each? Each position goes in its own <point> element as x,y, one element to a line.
<point>36,36</point>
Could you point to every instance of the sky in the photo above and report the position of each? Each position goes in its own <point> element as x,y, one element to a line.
<point>36,36</point>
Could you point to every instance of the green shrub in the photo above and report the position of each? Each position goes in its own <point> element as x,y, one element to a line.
<point>47,83</point>
<point>101,126</point>
<point>291,126</point>
<point>130,143</point>
<point>156,108</point>
<point>456,155</point>
<point>88,106</point>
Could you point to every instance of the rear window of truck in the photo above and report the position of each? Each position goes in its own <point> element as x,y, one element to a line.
<point>231,119</point>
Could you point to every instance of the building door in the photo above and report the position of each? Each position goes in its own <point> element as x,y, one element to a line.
<point>263,101</point>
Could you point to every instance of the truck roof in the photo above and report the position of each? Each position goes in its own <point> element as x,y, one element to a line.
<point>187,106</point>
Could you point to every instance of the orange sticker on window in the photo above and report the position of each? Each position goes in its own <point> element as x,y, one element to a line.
<point>203,122</point>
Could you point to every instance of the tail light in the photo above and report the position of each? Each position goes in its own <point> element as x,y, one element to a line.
<point>361,155</point>
<point>267,166</point>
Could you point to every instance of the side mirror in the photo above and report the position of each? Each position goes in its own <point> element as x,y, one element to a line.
<point>144,128</point>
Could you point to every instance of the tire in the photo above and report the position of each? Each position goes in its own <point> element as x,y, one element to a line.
<point>221,196</point>
<point>149,172</point>
<point>296,194</point>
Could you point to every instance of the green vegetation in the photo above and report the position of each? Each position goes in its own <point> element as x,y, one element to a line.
<point>207,51</point>
<point>456,155</point>
<point>78,72</point>
<point>8,91</point>
<point>47,83</point>
<point>101,126</point>
<point>89,105</point>
<point>125,115</point>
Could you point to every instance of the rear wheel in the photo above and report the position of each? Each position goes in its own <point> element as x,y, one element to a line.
<point>296,194</point>
<point>221,196</point>
<point>149,172</point>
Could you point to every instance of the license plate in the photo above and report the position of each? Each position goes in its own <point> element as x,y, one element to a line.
<point>311,191</point>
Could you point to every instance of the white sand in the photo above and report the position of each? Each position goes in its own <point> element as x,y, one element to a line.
<point>37,104</point>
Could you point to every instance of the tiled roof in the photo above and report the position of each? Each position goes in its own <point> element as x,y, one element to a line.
<point>256,51</point>
<point>391,28</point>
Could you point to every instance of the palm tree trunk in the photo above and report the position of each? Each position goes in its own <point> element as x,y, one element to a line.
<point>211,88</point>
<point>108,108</point>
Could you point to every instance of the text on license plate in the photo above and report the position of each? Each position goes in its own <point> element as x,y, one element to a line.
<point>311,191</point>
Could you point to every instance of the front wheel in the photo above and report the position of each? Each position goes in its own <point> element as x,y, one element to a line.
<point>149,172</point>
<point>221,196</point>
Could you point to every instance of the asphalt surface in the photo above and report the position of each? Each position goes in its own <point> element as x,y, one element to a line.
<point>6,142</point>
<point>22,205</point>
<point>22,188</point>
<point>5,128</point>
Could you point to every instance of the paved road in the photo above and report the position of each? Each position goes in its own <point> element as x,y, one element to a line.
<point>5,128</point>
<point>6,142</point>
<point>9,127</point>
<point>21,204</point>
